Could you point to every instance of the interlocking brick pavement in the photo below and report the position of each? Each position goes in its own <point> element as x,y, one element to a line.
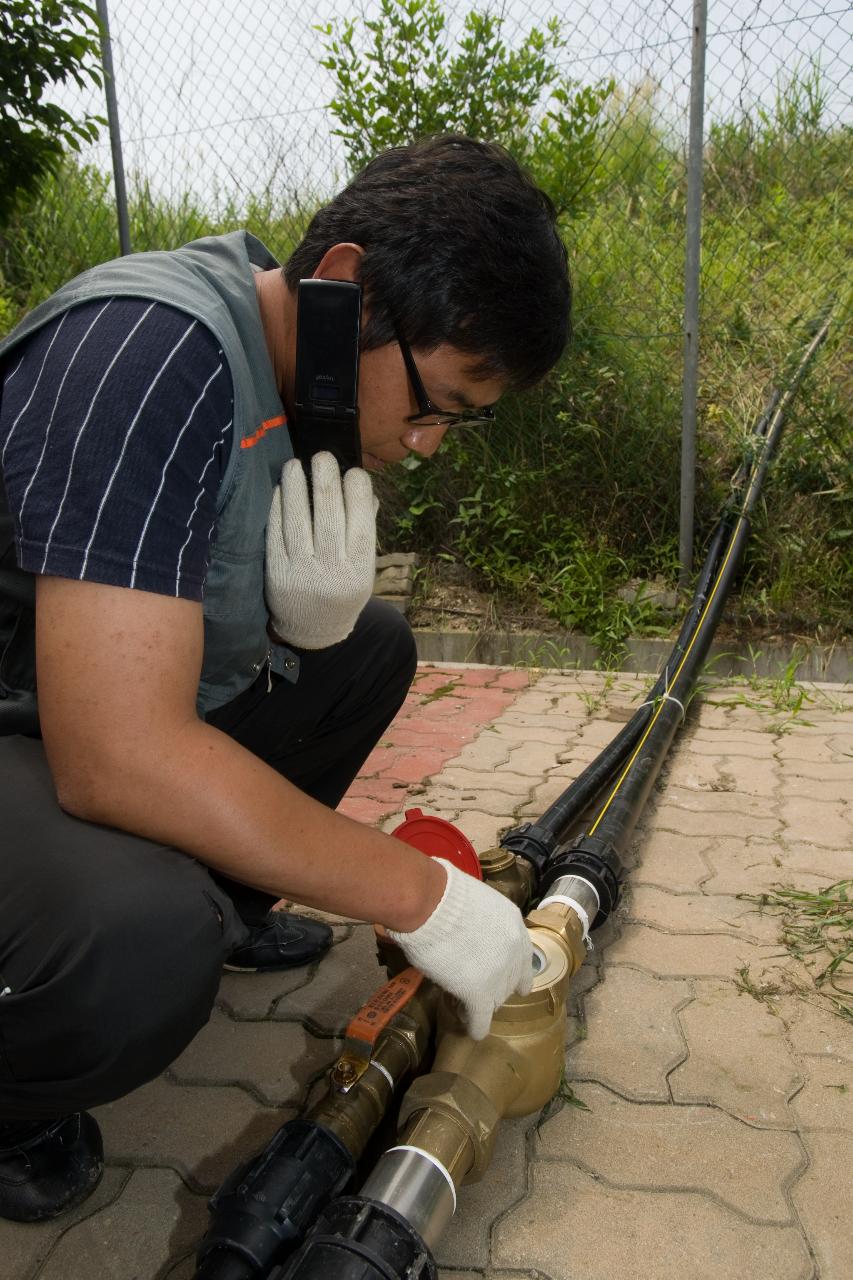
<point>714,1132</point>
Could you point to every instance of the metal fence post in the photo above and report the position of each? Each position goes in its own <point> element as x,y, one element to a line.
<point>693,243</point>
<point>115,132</point>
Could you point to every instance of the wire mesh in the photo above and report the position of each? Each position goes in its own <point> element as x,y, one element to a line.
<point>226,121</point>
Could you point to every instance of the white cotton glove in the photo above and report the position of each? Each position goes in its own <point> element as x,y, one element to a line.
<point>474,945</point>
<point>319,573</point>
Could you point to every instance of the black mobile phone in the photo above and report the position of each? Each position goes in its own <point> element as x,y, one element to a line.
<point>328,323</point>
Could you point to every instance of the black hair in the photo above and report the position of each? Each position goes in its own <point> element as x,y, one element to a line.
<point>460,246</point>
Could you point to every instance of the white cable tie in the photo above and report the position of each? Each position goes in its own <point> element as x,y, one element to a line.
<point>419,1151</point>
<point>385,1072</point>
<point>666,696</point>
<point>579,911</point>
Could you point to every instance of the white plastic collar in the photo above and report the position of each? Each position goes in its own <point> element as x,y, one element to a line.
<point>419,1151</point>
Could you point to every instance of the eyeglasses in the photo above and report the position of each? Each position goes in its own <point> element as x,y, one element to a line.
<point>429,414</point>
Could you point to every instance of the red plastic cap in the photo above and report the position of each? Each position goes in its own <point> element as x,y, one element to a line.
<point>439,839</point>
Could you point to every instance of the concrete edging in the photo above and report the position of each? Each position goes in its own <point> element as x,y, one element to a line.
<point>561,650</point>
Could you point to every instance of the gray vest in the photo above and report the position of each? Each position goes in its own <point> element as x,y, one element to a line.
<point>212,280</point>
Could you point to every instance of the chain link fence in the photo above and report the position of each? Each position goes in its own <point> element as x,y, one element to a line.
<point>225,121</point>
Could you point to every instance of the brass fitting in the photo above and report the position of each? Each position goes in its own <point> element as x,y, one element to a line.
<point>559,919</point>
<point>511,876</point>
<point>453,1113</point>
<point>354,1114</point>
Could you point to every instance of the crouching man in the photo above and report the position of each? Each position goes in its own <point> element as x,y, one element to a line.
<point>212,672</point>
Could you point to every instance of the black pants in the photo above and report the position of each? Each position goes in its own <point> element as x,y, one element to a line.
<point>111,947</point>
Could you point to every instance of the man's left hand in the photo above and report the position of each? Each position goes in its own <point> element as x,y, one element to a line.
<point>320,571</point>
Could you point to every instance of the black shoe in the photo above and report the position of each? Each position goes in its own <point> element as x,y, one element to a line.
<point>48,1167</point>
<point>282,941</point>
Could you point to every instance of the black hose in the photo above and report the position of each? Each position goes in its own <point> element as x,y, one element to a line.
<point>598,853</point>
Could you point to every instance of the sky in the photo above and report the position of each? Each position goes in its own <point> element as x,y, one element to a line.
<point>218,98</point>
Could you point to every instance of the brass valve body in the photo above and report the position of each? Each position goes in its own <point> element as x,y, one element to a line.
<point>453,1112</point>
<point>511,876</point>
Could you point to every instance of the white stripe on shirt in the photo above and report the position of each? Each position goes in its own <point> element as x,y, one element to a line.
<point>198,498</point>
<point>53,412</point>
<point>106,374</point>
<point>216,371</point>
<point>34,390</point>
<point>14,371</point>
<point>136,418</point>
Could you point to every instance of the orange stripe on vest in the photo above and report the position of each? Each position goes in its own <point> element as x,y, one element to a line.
<point>269,425</point>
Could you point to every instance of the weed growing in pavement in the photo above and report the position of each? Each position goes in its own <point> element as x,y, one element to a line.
<point>564,1097</point>
<point>779,693</point>
<point>594,699</point>
<point>443,691</point>
<point>763,992</point>
<point>816,930</point>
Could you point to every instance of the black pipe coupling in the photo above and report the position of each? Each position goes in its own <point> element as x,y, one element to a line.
<point>534,843</point>
<point>359,1239</point>
<point>595,860</point>
<point>265,1208</point>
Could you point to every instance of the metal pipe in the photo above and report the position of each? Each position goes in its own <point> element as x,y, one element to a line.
<point>115,131</point>
<point>418,1187</point>
<point>692,263</point>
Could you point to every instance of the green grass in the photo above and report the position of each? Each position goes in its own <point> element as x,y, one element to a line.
<point>816,929</point>
<point>575,489</point>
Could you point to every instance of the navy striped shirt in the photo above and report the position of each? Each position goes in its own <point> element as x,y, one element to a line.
<point>115,429</point>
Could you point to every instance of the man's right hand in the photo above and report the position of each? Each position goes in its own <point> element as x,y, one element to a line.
<point>474,945</point>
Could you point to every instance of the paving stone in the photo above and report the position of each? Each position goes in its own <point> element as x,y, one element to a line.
<point>806,771</point>
<point>738,1058</point>
<point>415,765</point>
<point>718,802</point>
<point>694,772</point>
<point>486,752</point>
<point>484,830</point>
<point>362,809</point>
<point>711,716</point>
<point>572,761</point>
<point>24,1246</point>
<point>822,1198</point>
<point>698,913</point>
<point>633,1039</point>
<point>813,1029</point>
<point>342,984</point>
<point>275,1060</point>
<point>202,1133</point>
<point>711,742</point>
<point>673,861</point>
<point>817,822</point>
<point>755,865</point>
<point>573,1225</point>
<point>442,798</point>
<point>254,995</point>
<point>466,1241</point>
<point>755,778</point>
<point>664,1147</point>
<point>539,701</point>
<point>521,732</point>
<point>514,783</point>
<point>826,1099</point>
<point>568,725</point>
<point>543,796</point>
<point>684,955</point>
<point>694,821</point>
<point>138,1237</point>
<point>803,748</point>
<point>599,732</point>
<point>153,1220</point>
<point>531,760</point>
